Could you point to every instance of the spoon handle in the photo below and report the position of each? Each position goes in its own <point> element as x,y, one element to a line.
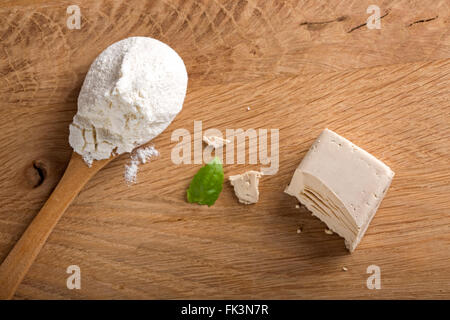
<point>22,256</point>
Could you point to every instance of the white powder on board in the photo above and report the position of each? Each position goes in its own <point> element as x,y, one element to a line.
<point>143,154</point>
<point>139,156</point>
<point>132,92</point>
<point>131,171</point>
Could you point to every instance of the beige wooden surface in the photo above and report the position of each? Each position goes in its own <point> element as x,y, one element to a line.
<point>300,68</point>
<point>16,265</point>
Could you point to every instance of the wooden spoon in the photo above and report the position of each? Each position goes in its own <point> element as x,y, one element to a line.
<point>22,256</point>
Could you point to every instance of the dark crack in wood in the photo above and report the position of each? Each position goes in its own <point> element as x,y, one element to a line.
<point>307,23</point>
<point>422,21</point>
<point>41,173</point>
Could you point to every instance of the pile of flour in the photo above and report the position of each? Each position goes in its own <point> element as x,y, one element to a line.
<point>132,92</point>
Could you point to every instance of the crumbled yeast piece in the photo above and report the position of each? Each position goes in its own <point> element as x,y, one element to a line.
<point>246,186</point>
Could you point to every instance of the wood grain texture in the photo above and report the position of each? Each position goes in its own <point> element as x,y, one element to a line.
<point>300,70</point>
<point>19,260</point>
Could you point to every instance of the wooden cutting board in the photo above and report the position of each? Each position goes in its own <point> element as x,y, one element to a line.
<point>300,67</point>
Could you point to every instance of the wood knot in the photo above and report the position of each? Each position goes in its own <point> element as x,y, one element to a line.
<point>36,173</point>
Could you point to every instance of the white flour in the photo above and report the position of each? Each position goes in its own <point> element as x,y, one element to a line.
<point>139,156</point>
<point>143,154</point>
<point>132,92</point>
<point>131,171</point>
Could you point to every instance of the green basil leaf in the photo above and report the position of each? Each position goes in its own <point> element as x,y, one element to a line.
<point>207,184</point>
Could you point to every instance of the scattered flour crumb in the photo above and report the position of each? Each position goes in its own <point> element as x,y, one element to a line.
<point>248,108</point>
<point>297,206</point>
<point>131,172</point>
<point>299,230</point>
<point>88,159</point>
<point>328,231</point>
<point>139,156</point>
<point>215,142</point>
<point>344,269</point>
<point>143,154</point>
